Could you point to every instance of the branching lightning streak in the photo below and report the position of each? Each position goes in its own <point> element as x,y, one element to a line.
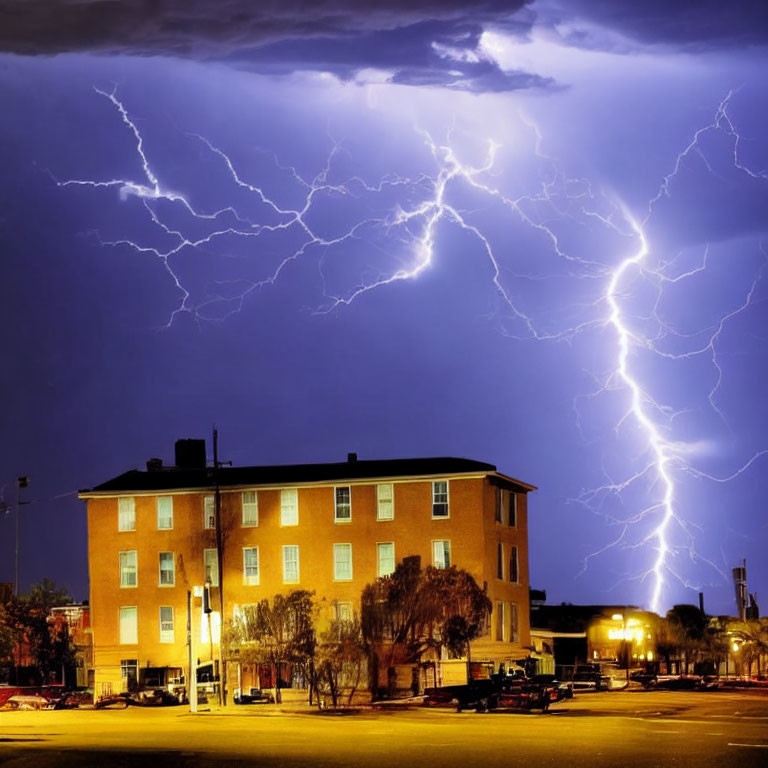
<point>416,225</point>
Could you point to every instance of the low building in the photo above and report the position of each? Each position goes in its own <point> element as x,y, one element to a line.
<point>619,634</point>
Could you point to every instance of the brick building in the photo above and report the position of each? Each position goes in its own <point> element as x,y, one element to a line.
<point>331,528</point>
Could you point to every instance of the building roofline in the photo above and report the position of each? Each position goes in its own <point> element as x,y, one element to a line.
<point>187,480</point>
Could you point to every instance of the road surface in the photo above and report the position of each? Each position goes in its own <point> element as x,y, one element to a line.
<point>612,729</point>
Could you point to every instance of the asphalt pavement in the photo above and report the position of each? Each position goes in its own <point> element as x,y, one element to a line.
<point>612,729</point>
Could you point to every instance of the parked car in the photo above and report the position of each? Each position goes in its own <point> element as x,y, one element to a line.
<point>511,691</point>
<point>254,696</point>
<point>558,690</point>
<point>590,677</point>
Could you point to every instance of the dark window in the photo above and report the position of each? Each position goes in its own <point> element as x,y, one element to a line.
<point>513,575</point>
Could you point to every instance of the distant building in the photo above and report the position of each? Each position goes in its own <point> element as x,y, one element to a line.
<point>595,633</point>
<point>331,528</point>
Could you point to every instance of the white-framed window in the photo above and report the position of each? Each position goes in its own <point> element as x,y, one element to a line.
<point>385,558</point>
<point>440,498</point>
<point>164,513</point>
<point>166,624</point>
<point>289,506</point>
<point>167,569</point>
<point>211,567</point>
<point>514,635</point>
<point>514,572</point>
<point>209,511</point>
<point>499,560</point>
<point>342,562</point>
<point>126,513</point>
<point>441,553</point>
<point>251,565</point>
<point>129,576</point>
<point>129,625</point>
<point>129,670</point>
<point>342,504</point>
<point>501,621</point>
<point>512,509</point>
<point>290,564</point>
<point>343,611</point>
<point>498,509</point>
<point>250,509</point>
<point>385,501</point>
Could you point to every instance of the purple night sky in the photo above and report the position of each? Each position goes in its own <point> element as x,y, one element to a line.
<point>528,233</point>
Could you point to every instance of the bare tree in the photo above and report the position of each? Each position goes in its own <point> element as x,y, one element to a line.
<point>276,632</point>
<point>340,663</point>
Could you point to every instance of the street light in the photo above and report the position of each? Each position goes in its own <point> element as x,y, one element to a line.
<point>21,482</point>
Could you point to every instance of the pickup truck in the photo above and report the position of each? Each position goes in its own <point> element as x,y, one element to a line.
<point>496,692</point>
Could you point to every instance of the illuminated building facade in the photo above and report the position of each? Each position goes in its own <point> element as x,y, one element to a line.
<point>330,528</point>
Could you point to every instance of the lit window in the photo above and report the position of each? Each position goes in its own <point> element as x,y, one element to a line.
<point>251,565</point>
<point>441,553</point>
<point>513,570</point>
<point>515,635</point>
<point>209,512</point>
<point>385,558</point>
<point>128,569</point>
<point>385,504</point>
<point>440,498</point>
<point>211,567</point>
<point>250,509</point>
<point>499,560</point>
<point>213,620</point>
<point>498,504</point>
<point>164,513</point>
<point>126,514</point>
<point>512,508</point>
<point>291,564</point>
<point>167,570</point>
<point>166,624</point>
<point>343,611</point>
<point>501,622</point>
<point>342,562</point>
<point>129,631</point>
<point>289,507</point>
<point>343,508</point>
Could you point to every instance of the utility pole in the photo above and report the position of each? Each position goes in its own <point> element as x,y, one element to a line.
<point>21,482</point>
<point>192,676</point>
<point>220,565</point>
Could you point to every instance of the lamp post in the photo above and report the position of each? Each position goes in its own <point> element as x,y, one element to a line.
<point>21,482</point>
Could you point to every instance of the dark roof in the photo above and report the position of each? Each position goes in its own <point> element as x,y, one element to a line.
<point>172,478</point>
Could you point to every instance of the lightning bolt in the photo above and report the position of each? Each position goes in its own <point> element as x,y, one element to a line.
<point>406,234</point>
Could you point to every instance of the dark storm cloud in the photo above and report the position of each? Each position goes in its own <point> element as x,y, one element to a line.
<point>418,42</point>
<point>695,24</point>
<point>427,54</point>
<point>199,27</point>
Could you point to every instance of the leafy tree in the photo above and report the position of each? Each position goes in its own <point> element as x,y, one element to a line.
<point>411,610</point>
<point>26,620</point>
<point>280,631</point>
<point>689,624</point>
<point>7,635</point>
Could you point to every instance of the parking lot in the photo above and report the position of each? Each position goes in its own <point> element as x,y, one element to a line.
<point>627,728</point>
